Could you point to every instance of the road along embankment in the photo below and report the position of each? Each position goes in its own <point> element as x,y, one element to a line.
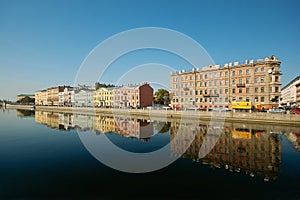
<point>254,117</point>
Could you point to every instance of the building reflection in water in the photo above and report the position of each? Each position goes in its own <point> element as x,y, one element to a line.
<point>234,147</point>
<point>237,149</point>
<point>294,138</point>
<point>127,127</point>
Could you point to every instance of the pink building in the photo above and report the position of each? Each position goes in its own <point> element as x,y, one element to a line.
<point>133,95</point>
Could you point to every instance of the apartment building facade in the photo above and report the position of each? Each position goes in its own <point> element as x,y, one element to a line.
<point>84,98</point>
<point>41,97</point>
<point>103,97</point>
<point>289,93</point>
<point>66,97</point>
<point>53,95</point>
<point>215,86</point>
<point>133,95</point>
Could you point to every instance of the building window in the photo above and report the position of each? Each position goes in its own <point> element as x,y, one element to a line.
<point>191,77</point>
<point>247,80</point>
<point>240,90</point>
<point>256,90</point>
<point>247,90</point>
<point>256,99</point>
<point>256,70</point>
<point>220,91</point>
<point>240,98</point>
<point>262,89</point>
<point>200,92</point>
<point>226,91</point>
<point>276,89</point>
<point>205,76</point>
<point>240,80</point>
<point>247,99</point>
<point>233,90</point>
<point>220,74</point>
<point>262,79</point>
<point>255,80</point>
<point>233,73</point>
<point>233,81</point>
<point>262,99</point>
<point>196,92</point>
<point>240,72</point>
<point>233,99</point>
<point>247,71</point>
<point>201,76</point>
<point>226,73</point>
<point>276,78</point>
<point>262,69</point>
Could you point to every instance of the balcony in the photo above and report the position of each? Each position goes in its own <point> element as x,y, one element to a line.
<point>211,95</point>
<point>241,85</point>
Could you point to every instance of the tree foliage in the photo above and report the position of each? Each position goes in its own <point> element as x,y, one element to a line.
<point>26,100</point>
<point>162,97</point>
<point>103,85</point>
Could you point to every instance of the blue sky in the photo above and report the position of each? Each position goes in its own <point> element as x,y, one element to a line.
<point>43,43</point>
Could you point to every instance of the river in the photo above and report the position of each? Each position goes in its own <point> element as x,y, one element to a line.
<point>54,155</point>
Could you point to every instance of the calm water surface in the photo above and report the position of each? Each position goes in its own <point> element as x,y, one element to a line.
<point>42,157</point>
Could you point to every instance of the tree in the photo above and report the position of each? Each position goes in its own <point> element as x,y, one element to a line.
<point>100,85</point>
<point>26,100</point>
<point>162,97</point>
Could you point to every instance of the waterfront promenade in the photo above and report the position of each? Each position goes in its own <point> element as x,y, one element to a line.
<point>231,116</point>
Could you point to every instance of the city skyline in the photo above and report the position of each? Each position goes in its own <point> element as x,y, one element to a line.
<point>44,43</point>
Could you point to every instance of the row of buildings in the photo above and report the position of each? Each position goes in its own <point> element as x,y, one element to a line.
<point>88,96</point>
<point>257,81</point>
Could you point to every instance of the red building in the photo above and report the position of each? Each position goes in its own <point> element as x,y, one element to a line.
<point>133,95</point>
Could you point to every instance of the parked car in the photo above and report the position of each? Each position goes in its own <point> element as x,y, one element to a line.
<point>202,108</point>
<point>167,108</point>
<point>277,110</point>
<point>296,111</point>
<point>219,109</point>
<point>192,108</point>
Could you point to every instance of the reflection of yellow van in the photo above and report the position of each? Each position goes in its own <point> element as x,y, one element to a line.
<point>241,105</point>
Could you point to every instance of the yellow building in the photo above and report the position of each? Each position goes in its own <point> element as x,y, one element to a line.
<point>103,97</point>
<point>41,97</point>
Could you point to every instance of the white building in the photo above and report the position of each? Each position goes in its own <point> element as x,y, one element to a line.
<point>289,93</point>
<point>84,98</point>
<point>66,97</point>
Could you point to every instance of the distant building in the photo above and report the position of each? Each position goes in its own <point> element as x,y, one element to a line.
<point>66,97</point>
<point>289,93</point>
<point>215,86</point>
<point>41,97</point>
<point>21,96</point>
<point>53,95</point>
<point>298,95</point>
<point>84,98</point>
<point>103,97</point>
<point>133,95</point>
